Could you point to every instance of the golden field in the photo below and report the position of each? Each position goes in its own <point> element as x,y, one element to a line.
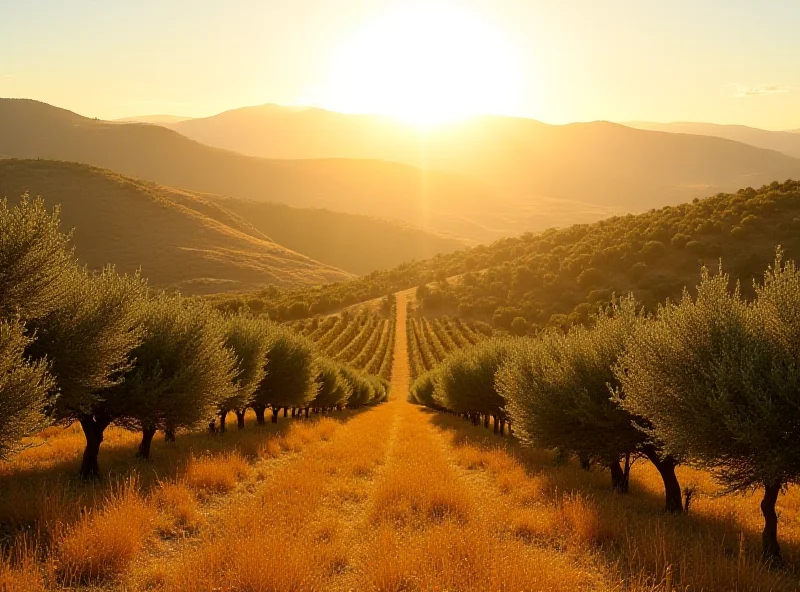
<point>392,499</point>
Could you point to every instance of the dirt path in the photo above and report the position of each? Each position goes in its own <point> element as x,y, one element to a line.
<point>387,504</point>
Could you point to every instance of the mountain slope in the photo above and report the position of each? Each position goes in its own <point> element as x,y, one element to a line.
<point>156,119</point>
<point>603,164</point>
<point>786,142</point>
<point>178,239</point>
<point>558,277</point>
<point>29,129</point>
<point>351,242</point>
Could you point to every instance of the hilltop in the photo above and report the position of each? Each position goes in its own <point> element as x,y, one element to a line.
<point>595,165</point>
<point>179,239</point>
<point>557,277</point>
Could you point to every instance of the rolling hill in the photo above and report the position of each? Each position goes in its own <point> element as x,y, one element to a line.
<point>178,239</point>
<point>30,129</point>
<point>481,179</point>
<point>560,276</point>
<point>786,142</point>
<point>156,119</point>
<point>355,243</point>
<point>603,164</point>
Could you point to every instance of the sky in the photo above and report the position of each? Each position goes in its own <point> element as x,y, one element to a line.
<point>720,61</point>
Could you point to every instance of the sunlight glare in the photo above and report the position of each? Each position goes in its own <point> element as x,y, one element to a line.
<point>425,65</point>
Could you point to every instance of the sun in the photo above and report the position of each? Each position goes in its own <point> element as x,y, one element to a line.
<point>425,65</point>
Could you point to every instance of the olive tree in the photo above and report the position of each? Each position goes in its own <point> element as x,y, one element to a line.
<point>423,389</point>
<point>559,392</point>
<point>87,340</point>
<point>362,389</point>
<point>465,382</point>
<point>719,381</point>
<point>289,381</point>
<point>35,257</point>
<point>333,390</point>
<point>24,389</point>
<point>178,373</point>
<point>248,339</point>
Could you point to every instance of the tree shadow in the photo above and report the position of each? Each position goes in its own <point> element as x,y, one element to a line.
<point>633,532</point>
<point>41,491</point>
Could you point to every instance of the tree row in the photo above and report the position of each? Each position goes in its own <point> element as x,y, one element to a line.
<point>712,381</point>
<point>99,348</point>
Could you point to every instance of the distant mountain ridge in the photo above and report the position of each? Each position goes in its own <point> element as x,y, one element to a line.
<point>785,142</point>
<point>523,160</point>
<point>30,129</point>
<point>480,179</point>
<point>178,239</point>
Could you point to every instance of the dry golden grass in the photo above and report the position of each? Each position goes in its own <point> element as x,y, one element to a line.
<point>216,474</point>
<point>64,532</point>
<point>103,543</point>
<point>715,547</point>
<point>391,499</point>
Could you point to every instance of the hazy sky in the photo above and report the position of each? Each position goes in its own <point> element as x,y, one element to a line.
<point>725,61</point>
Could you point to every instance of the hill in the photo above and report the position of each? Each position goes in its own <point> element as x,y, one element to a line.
<point>559,276</point>
<point>156,119</point>
<point>523,161</point>
<point>355,243</point>
<point>30,129</point>
<point>786,142</point>
<point>178,239</point>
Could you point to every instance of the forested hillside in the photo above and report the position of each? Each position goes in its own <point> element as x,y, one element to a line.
<point>559,276</point>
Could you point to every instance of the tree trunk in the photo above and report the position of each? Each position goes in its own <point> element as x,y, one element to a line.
<point>144,446</point>
<point>486,421</point>
<point>275,411</point>
<point>586,464</point>
<point>93,428</point>
<point>496,424</point>
<point>617,477</point>
<point>169,435</point>
<point>502,427</point>
<point>240,418</point>
<point>223,419</point>
<point>307,412</point>
<point>285,411</point>
<point>771,550</point>
<point>260,411</point>
<point>476,419</point>
<point>666,468</point>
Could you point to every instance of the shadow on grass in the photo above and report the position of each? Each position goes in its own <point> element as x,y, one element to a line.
<point>41,492</point>
<point>711,548</point>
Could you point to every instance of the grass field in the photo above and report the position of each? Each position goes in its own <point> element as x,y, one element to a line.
<point>394,498</point>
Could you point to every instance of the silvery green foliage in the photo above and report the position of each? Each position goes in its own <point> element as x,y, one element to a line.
<point>465,381</point>
<point>559,387</point>
<point>24,386</point>
<point>423,389</point>
<point>364,389</point>
<point>34,259</point>
<point>179,372</point>
<point>289,381</point>
<point>332,388</point>
<point>88,337</point>
<point>719,379</point>
<point>248,339</point>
